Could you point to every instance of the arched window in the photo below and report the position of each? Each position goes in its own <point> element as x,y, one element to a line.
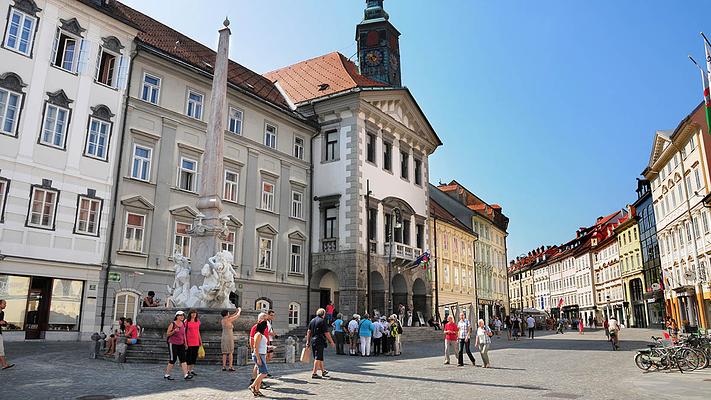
<point>126,305</point>
<point>262,305</point>
<point>294,310</point>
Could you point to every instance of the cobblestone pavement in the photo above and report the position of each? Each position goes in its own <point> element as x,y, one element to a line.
<point>551,366</point>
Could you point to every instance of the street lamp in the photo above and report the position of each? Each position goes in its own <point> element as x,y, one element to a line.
<point>396,225</point>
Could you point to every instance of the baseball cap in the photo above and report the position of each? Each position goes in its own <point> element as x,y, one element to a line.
<point>179,312</point>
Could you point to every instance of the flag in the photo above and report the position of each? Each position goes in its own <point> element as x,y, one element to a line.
<point>560,303</point>
<point>705,80</point>
<point>424,259</point>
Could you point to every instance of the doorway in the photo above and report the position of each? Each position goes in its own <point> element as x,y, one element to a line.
<point>37,315</point>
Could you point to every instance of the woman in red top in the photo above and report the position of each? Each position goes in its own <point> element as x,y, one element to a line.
<point>193,339</point>
<point>131,332</point>
<point>451,331</point>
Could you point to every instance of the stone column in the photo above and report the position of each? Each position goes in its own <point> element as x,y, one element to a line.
<point>208,229</point>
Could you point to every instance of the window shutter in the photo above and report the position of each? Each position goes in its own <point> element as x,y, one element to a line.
<point>122,77</point>
<point>55,46</point>
<point>84,50</point>
<point>98,63</point>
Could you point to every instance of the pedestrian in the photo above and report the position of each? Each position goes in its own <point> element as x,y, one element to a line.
<point>329,312</point>
<point>606,326</point>
<point>377,337</point>
<point>353,335</point>
<point>497,325</point>
<point>176,346</point>
<point>674,329</point>
<point>3,360</point>
<point>270,334</point>
<point>531,322</point>
<point>508,326</point>
<point>316,337</point>
<point>150,300</point>
<point>450,338</point>
<point>386,335</point>
<point>227,340</point>
<point>614,329</point>
<point>516,327</point>
<point>365,331</point>
<point>262,317</point>
<point>483,342</point>
<point>193,339</point>
<point>580,326</point>
<point>131,332</point>
<point>561,326</point>
<point>401,311</point>
<point>394,335</point>
<point>464,335</point>
<point>590,321</point>
<point>398,335</point>
<point>339,334</point>
<point>259,356</point>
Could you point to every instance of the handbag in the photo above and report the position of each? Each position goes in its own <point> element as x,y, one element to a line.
<point>201,352</point>
<point>305,355</point>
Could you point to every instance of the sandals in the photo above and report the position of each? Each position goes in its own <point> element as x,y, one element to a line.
<point>231,369</point>
<point>8,367</point>
<point>255,391</point>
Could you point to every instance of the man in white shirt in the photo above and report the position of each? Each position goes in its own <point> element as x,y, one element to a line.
<point>531,326</point>
<point>497,326</point>
<point>377,337</point>
<point>465,334</point>
<point>614,328</point>
<point>353,333</point>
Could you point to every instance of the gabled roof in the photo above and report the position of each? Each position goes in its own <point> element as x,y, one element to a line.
<point>320,76</point>
<point>452,207</point>
<point>166,40</point>
<point>460,193</point>
<point>661,141</point>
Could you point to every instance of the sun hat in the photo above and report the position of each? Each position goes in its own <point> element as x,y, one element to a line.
<point>179,312</point>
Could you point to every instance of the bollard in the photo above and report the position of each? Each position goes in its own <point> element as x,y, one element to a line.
<point>242,354</point>
<point>95,345</point>
<point>290,350</point>
<point>121,348</point>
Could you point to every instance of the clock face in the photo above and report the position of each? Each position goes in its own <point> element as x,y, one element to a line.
<point>373,58</point>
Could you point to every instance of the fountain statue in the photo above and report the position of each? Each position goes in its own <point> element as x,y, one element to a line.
<point>218,282</point>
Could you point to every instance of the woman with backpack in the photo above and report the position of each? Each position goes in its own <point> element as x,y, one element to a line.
<point>193,339</point>
<point>177,345</point>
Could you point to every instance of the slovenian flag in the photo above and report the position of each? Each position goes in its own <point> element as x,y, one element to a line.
<point>705,78</point>
<point>423,260</point>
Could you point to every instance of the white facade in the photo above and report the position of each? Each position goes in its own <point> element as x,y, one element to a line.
<point>584,284</point>
<point>66,63</point>
<point>541,284</point>
<point>609,293</point>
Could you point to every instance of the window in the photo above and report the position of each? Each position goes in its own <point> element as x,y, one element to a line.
<point>697,176</point>
<point>370,147</point>
<point>329,228</point>
<point>294,309</point>
<point>20,32</point>
<point>697,232</point>
<point>187,174</point>
<point>97,141</point>
<point>262,305</point>
<point>297,199</point>
<point>54,130</point>
<point>270,136</point>
<point>231,189</point>
<point>295,266</point>
<point>66,51</point>
<point>705,221</point>
<point>418,172</point>
<point>126,305</point>
<point>420,233</point>
<point>446,274</point>
<point>299,147</point>
<point>265,253</point>
<point>234,125</point>
<point>228,243</point>
<point>43,208</point>
<point>151,88</point>
<point>404,165</point>
<point>141,165</point>
<point>133,234</point>
<point>88,216</point>
<point>65,305</point>
<point>331,145</point>
<point>181,244</point>
<point>373,222</point>
<point>106,72</point>
<point>9,109</point>
<point>267,196</point>
<point>388,156</point>
<point>681,193</point>
<point>688,185</point>
<point>4,190</point>
<point>194,108</point>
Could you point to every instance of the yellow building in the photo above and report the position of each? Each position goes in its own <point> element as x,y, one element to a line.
<point>631,270</point>
<point>453,256</point>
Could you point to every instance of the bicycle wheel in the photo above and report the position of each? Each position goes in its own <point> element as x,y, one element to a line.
<point>642,361</point>
<point>694,357</point>
<point>680,359</point>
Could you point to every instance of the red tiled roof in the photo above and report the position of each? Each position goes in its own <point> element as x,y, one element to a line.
<point>175,44</point>
<point>320,76</point>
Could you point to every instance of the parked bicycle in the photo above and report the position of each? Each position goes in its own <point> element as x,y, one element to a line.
<point>660,356</point>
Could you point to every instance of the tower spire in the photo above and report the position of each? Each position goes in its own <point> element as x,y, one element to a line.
<point>378,45</point>
<point>374,10</point>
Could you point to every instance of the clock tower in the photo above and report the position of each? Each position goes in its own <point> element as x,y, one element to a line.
<point>378,45</point>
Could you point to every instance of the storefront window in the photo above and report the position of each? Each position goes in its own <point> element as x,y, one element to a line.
<point>14,290</point>
<point>65,307</point>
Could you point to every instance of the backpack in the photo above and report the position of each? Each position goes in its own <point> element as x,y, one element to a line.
<point>399,329</point>
<point>168,337</point>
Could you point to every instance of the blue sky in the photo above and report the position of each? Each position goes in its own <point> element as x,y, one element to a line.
<point>547,108</point>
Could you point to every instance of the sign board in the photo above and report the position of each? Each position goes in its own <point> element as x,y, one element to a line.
<point>115,276</point>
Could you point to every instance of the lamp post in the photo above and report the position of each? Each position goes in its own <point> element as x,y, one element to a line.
<point>393,226</point>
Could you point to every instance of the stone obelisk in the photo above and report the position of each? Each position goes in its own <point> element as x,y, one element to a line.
<point>208,228</point>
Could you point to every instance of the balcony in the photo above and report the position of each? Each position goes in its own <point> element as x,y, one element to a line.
<point>329,245</point>
<point>403,251</point>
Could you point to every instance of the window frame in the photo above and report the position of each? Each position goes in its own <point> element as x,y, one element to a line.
<point>193,189</point>
<point>31,39</point>
<point>65,132</point>
<point>271,143</point>
<point>296,258</point>
<point>294,314</point>
<point>239,122</point>
<point>331,146</point>
<point>417,170</point>
<point>370,147</point>
<point>18,108</point>
<point>135,228</point>
<point>135,158</point>
<point>4,193</point>
<point>114,74</point>
<point>127,294</point>
<point>233,184</point>
<point>184,237</point>
<point>109,128</point>
<point>388,156</point>
<point>53,219</point>
<point>299,148</point>
<point>263,261</point>
<point>77,51</point>
<point>225,244</point>
<point>151,88</point>
<point>297,205</point>
<point>196,106</point>
<point>97,222</point>
<point>405,165</point>
<point>333,223</point>
<point>267,197</point>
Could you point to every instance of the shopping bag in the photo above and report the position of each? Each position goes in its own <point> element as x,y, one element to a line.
<point>305,355</point>
<point>201,352</point>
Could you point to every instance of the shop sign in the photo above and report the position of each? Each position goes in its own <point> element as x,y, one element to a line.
<point>115,276</point>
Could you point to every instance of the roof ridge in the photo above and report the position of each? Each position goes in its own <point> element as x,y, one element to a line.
<point>300,62</point>
<point>343,61</point>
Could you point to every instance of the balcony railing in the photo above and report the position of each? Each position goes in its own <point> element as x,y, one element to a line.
<point>329,245</point>
<point>373,246</point>
<point>403,251</point>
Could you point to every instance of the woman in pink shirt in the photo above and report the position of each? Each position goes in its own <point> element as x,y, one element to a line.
<point>193,339</point>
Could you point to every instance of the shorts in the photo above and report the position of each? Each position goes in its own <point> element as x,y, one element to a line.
<point>262,368</point>
<point>191,355</point>
<point>132,341</point>
<point>177,352</point>
<point>2,347</point>
<point>317,351</point>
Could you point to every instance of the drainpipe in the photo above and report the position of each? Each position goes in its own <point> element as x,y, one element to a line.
<point>311,225</point>
<point>434,218</point>
<point>114,200</point>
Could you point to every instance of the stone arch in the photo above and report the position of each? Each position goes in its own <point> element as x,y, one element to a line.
<point>325,287</point>
<point>419,300</point>
<point>377,288</point>
<point>400,294</point>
